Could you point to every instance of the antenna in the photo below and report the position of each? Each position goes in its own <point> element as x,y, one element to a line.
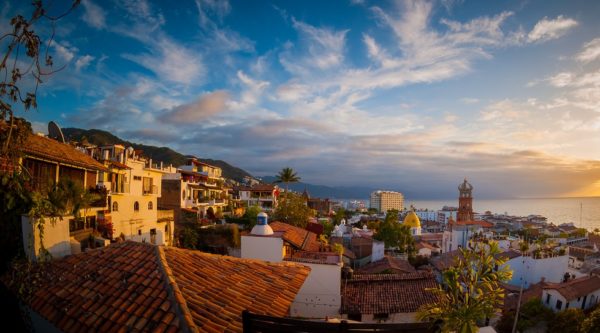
<point>55,132</point>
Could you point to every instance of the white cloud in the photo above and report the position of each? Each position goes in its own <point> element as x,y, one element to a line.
<point>93,14</point>
<point>205,107</point>
<point>548,29</point>
<point>83,62</point>
<point>64,50</point>
<point>325,46</point>
<point>206,8</point>
<point>172,62</point>
<point>469,100</point>
<point>590,51</point>
<point>561,79</point>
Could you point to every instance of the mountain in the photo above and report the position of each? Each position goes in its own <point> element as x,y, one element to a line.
<point>158,154</point>
<point>322,191</point>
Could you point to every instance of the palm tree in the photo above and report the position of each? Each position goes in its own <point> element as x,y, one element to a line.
<point>287,175</point>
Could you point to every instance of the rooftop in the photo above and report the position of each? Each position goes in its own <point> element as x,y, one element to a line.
<point>140,287</point>
<point>300,238</point>
<point>50,149</point>
<point>388,265</point>
<point>576,288</point>
<point>387,293</point>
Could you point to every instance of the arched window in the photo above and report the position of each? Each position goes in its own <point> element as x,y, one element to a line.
<point>149,205</point>
<point>136,206</point>
<point>115,207</point>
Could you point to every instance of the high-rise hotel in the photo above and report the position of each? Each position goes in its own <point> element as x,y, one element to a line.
<point>386,200</point>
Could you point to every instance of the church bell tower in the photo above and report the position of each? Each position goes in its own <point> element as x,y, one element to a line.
<point>465,202</point>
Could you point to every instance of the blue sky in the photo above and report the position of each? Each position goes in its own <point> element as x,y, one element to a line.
<point>404,95</point>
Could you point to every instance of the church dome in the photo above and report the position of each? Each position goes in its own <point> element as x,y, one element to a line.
<point>465,186</point>
<point>412,220</point>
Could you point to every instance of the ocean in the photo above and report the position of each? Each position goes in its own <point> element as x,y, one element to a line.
<point>582,212</point>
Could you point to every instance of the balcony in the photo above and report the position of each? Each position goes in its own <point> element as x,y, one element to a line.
<point>150,190</point>
<point>102,194</point>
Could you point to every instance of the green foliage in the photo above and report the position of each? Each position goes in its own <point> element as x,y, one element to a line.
<point>293,210</point>
<point>287,175</point>
<point>327,228</point>
<point>472,291</point>
<point>567,321</point>
<point>395,235</point>
<point>248,219</point>
<point>188,237</point>
<point>531,313</point>
<point>212,239</point>
<point>591,324</point>
<point>340,214</point>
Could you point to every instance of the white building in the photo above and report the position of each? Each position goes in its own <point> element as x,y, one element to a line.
<point>458,233</point>
<point>581,293</point>
<point>446,213</point>
<point>386,200</point>
<point>426,214</point>
<point>320,295</point>
<point>262,195</point>
<point>528,270</point>
<point>135,185</point>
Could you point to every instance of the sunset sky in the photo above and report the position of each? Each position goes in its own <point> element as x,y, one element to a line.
<point>404,95</point>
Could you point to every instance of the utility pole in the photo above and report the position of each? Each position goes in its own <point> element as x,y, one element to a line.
<point>514,329</point>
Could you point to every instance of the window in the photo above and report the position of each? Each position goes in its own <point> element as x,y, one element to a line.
<point>136,206</point>
<point>567,305</point>
<point>115,207</point>
<point>548,299</point>
<point>149,205</point>
<point>183,195</point>
<point>558,304</point>
<point>147,185</point>
<point>139,232</point>
<point>137,178</point>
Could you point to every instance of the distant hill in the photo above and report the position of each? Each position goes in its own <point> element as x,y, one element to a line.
<point>158,154</point>
<point>322,191</point>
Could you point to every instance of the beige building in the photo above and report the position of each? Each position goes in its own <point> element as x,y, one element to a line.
<point>386,200</point>
<point>135,185</point>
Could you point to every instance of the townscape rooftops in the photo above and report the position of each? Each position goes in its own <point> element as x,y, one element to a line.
<point>387,293</point>
<point>50,149</point>
<point>445,260</point>
<point>389,265</point>
<point>576,288</point>
<point>300,238</point>
<point>509,254</point>
<point>140,287</point>
<point>484,224</point>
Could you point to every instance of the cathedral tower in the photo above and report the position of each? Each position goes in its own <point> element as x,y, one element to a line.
<point>465,202</point>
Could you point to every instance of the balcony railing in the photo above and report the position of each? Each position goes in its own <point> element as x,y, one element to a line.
<point>150,190</point>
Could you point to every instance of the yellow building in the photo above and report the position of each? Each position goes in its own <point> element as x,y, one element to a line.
<point>386,200</point>
<point>412,220</point>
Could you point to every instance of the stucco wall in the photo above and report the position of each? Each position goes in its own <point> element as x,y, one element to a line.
<point>56,237</point>
<point>263,248</point>
<point>532,270</point>
<point>320,295</point>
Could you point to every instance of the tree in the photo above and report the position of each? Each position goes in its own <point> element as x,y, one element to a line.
<point>471,292</point>
<point>295,212</point>
<point>395,235</point>
<point>567,321</point>
<point>591,324</point>
<point>21,72</point>
<point>340,214</point>
<point>287,175</point>
<point>531,314</point>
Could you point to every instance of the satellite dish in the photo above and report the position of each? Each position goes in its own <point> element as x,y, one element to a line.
<point>55,132</point>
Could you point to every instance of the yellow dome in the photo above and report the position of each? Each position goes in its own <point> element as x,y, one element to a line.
<point>412,220</point>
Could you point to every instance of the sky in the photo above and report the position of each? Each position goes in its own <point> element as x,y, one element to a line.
<point>401,95</point>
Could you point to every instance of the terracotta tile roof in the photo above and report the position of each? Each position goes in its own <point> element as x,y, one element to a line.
<point>389,265</point>
<point>300,238</point>
<point>511,294</point>
<point>576,288</point>
<point>140,287</point>
<point>509,254</point>
<point>218,288</point>
<point>118,165</point>
<point>428,237</point>
<point>49,149</point>
<point>444,260</point>
<point>387,293</point>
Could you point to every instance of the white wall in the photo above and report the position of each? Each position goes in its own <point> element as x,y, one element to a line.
<point>378,250</point>
<point>320,295</point>
<point>56,237</point>
<point>592,299</point>
<point>394,318</point>
<point>532,270</point>
<point>268,248</point>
